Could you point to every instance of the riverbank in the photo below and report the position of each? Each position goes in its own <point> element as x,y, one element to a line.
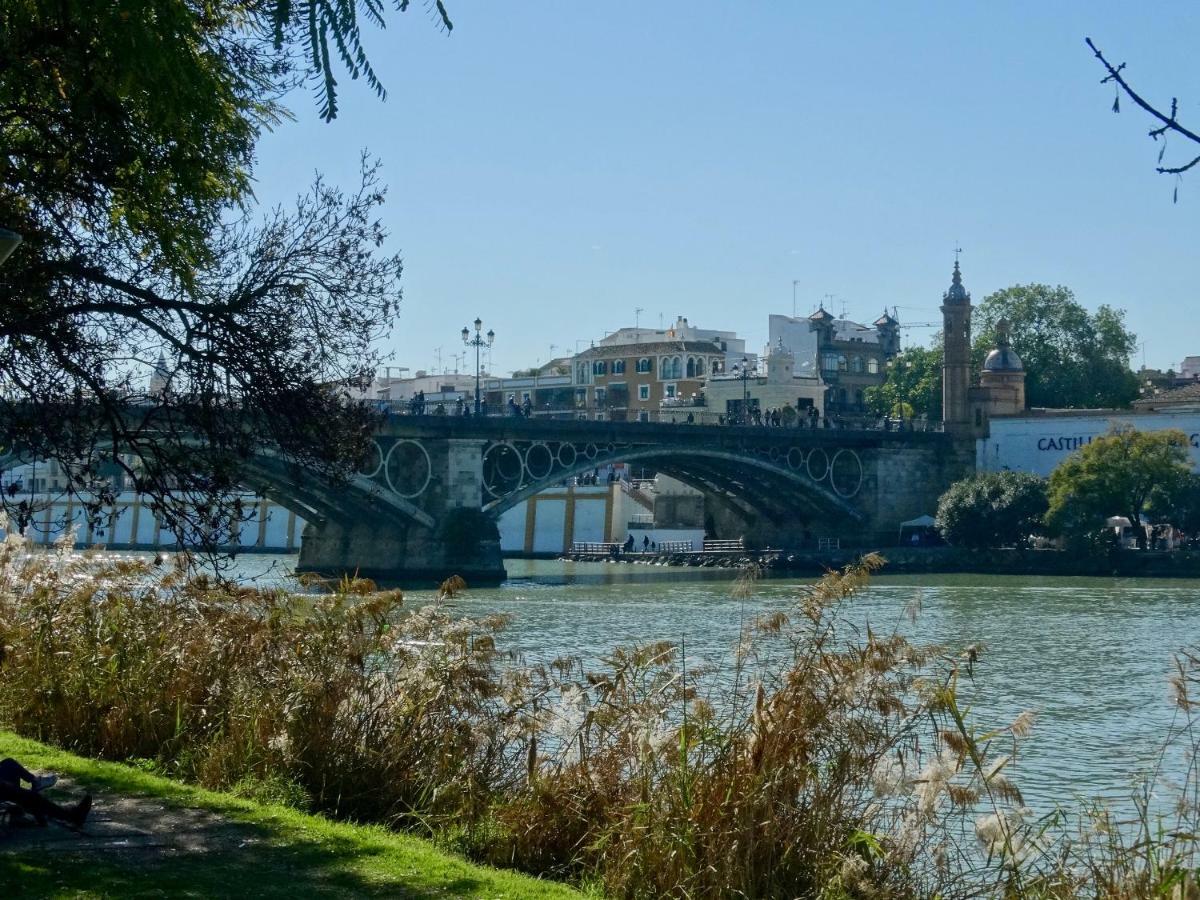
<point>150,836</point>
<point>925,560</point>
<point>958,560</point>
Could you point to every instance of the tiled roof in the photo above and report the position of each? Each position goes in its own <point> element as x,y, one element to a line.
<point>631,351</point>
<point>1188,393</point>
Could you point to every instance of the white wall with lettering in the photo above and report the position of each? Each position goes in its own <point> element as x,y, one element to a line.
<point>1039,443</point>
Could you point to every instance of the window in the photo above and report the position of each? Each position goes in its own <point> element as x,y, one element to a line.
<point>858,398</point>
<point>644,366</point>
<point>664,368</point>
<point>601,394</point>
<point>643,392</point>
<point>676,367</point>
<point>872,366</point>
<point>600,367</point>
<point>669,391</point>
<point>581,398</point>
<point>618,367</point>
<point>829,362</point>
<point>643,416</point>
<point>716,366</point>
<point>581,373</point>
<point>856,365</point>
<point>691,367</point>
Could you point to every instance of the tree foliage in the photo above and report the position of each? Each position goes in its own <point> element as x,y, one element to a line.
<point>992,509</point>
<point>128,146</point>
<point>912,386</point>
<point>328,31</point>
<point>1178,504</point>
<point>1073,358</point>
<point>1116,475</point>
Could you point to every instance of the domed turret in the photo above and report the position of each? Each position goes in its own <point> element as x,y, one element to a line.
<point>1003,358</point>
<point>1002,382</point>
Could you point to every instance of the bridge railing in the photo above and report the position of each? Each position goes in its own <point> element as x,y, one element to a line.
<point>734,546</point>
<point>674,416</point>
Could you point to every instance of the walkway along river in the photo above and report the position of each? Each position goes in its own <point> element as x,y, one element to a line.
<point>1090,656</point>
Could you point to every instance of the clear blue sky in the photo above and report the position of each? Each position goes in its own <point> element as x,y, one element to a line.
<point>553,166</point>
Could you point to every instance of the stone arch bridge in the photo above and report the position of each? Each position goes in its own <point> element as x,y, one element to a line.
<point>425,503</point>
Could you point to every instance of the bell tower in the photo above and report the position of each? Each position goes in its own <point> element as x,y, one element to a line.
<point>956,349</point>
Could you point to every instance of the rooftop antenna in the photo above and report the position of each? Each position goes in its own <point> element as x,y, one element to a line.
<point>553,347</point>
<point>795,281</point>
<point>957,250</point>
<point>438,351</point>
<point>637,322</point>
<point>660,324</point>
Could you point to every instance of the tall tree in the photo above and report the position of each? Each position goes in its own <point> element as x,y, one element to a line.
<point>1073,358</point>
<point>912,386</point>
<point>128,139</point>
<point>1116,475</point>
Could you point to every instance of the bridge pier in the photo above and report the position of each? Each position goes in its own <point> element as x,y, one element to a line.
<point>465,542</point>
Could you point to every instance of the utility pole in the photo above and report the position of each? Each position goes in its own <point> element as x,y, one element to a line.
<point>795,281</point>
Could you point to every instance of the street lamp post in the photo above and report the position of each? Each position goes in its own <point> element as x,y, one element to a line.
<point>478,342</point>
<point>744,369</point>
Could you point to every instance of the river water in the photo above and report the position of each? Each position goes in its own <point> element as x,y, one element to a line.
<point>1091,657</point>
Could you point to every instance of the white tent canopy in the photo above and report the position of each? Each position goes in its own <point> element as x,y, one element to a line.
<point>919,522</point>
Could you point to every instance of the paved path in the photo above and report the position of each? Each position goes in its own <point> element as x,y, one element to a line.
<point>129,826</point>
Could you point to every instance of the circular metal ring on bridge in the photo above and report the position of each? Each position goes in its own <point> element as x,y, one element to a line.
<point>407,468</point>
<point>372,460</point>
<point>567,454</point>
<point>590,451</point>
<point>539,461</point>
<point>795,459</point>
<point>503,469</point>
<point>822,464</point>
<point>845,473</point>
<point>775,454</point>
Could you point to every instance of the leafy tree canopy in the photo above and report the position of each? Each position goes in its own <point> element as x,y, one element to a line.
<point>129,132</point>
<point>992,509</point>
<point>1116,475</point>
<point>1073,358</point>
<point>912,386</point>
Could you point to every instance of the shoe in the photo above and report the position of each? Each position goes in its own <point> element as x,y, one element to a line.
<point>44,782</point>
<point>78,814</point>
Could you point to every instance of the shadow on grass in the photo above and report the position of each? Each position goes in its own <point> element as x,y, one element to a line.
<point>250,850</point>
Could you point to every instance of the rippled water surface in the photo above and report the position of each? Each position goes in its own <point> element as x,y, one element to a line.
<point>1090,656</point>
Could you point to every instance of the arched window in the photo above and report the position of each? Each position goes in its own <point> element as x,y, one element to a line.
<point>829,362</point>
<point>600,367</point>
<point>644,366</point>
<point>872,366</point>
<point>691,367</point>
<point>856,365</point>
<point>581,373</point>
<point>618,367</point>
<point>664,368</point>
<point>677,367</point>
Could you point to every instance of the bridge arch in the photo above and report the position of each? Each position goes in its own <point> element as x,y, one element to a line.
<point>769,486</point>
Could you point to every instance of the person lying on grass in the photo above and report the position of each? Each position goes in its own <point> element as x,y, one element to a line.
<point>30,800</point>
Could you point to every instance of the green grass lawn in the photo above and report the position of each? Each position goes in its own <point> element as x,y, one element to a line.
<point>274,851</point>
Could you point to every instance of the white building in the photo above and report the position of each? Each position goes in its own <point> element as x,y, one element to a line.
<point>1038,441</point>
